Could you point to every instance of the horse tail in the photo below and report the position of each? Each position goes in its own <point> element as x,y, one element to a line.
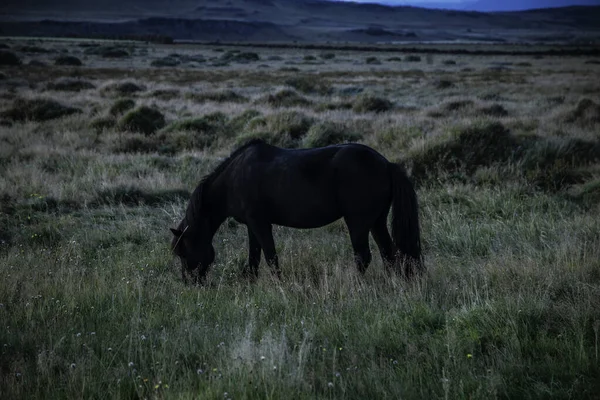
<point>405,222</point>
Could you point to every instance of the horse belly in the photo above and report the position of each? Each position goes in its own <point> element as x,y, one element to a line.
<point>304,209</point>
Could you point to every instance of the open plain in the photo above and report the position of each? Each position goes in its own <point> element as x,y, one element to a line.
<point>101,144</point>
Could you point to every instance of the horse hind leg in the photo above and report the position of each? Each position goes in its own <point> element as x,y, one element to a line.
<point>254,250</point>
<point>359,236</point>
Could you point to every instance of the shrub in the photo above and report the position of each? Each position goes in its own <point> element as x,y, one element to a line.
<point>327,56</point>
<point>70,85</point>
<point>239,122</point>
<point>474,146</point>
<point>9,58</point>
<point>309,58</point>
<point>107,51</point>
<point>68,61</point>
<point>121,106</point>
<point>103,123</point>
<point>240,57</point>
<point>524,64</point>
<point>126,88</point>
<point>412,58</point>
<point>285,98</point>
<point>38,110</point>
<point>443,84</point>
<point>146,120</point>
<point>37,63</point>
<point>165,62</point>
<point>222,96</point>
<point>309,85</point>
<point>328,133</point>
<point>196,133</point>
<point>495,110</point>
<point>204,125</point>
<point>394,59</point>
<point>586,112</point>
<point>449,62</point>
<point>33,49</point>
<point>165,94</point>
<point>372,60</point>
<point>136,144</point>
<point>293,124</point>
<point>369,103</point>
<point>457,105</point>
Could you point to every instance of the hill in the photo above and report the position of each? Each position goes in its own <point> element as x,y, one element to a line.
<point>302,20</point>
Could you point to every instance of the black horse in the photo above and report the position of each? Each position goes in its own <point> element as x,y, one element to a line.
<point>260,185</point>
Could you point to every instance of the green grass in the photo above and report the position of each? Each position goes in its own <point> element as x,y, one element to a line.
<point>91,300</point>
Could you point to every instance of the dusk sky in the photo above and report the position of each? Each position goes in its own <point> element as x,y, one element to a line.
<point>487,5</point>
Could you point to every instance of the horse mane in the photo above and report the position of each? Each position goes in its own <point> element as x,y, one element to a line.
<point>195,204</point>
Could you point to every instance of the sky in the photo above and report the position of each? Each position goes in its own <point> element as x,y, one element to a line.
<point>485,5</point>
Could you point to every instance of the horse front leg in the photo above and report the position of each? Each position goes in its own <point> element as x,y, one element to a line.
<point>264,235</point>
<point>251,269</point>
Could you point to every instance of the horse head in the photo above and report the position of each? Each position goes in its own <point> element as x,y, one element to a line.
<point>194,248</point>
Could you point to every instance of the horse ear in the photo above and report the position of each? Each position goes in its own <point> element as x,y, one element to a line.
<point>176,232</point>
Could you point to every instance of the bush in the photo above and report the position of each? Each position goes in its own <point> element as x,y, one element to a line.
<point>165,94</point>
<point>211,124</point>
<point>9,58</point>
<point>126,88</point>
<point>165,62</point>
<point>136,144</point>
<point>457,105</point>
<point>285,98</point>
<point>472,147</point>
<point>369,103</point>
<point>327,56</point>
<point>222,96</point>
<point>443,84</point>
<point>309,85</point>
<point>495,110</point>
<point>372,60</point>
<point>449,62</point>
<point>70,61</point>
<point>103,123</point>
<point>240,57</point>
<point>107,51</point>
<point>239,122</point>
<point>309,58</point>
<point>70,85</point>
<point>37,63</point>
<point>34,49</point>
<point>328,133</point>
<point>38,110</point>
<point>121,106</point>
<point>587,112</point>
<point>146,120</point>
<point>412,58</point>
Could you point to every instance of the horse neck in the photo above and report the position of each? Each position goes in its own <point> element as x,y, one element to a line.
<point>207,208</point>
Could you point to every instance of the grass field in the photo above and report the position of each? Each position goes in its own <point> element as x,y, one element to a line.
<point>97,161</point>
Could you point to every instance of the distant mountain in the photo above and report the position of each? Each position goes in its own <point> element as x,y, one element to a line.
<point>301,20</point>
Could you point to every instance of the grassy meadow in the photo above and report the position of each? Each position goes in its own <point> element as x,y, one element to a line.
<point>101,144</point>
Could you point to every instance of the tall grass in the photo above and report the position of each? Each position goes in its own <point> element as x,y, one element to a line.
<point>92,304</point>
